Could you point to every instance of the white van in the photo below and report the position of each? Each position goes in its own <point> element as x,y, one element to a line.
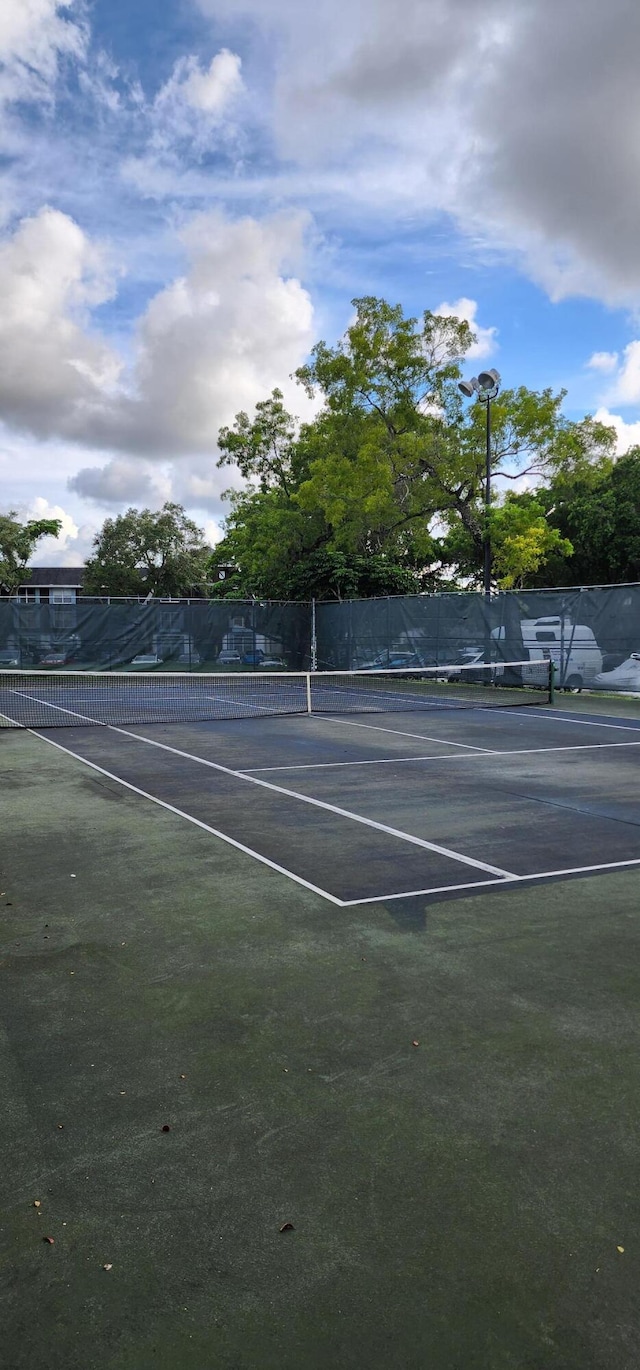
<point>571,646</point>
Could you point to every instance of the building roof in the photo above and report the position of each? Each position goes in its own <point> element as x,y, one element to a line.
<point>71,577</point>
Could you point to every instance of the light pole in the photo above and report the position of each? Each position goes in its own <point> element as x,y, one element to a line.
<point>485,388</point>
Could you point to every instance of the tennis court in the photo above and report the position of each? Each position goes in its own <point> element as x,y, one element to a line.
<point>320,1012</point>
<point>361,787</point>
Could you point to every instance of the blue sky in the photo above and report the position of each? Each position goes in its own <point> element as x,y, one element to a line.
<point>193,193</point>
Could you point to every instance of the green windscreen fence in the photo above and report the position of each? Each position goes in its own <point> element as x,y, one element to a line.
<point>187,636</point>
<point>591,635</point>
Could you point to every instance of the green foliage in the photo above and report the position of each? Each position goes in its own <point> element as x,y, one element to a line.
<point>522,540</point>
<point>393,468</point>
<point>18,542</point>
<point>599,511</point>
<point>144,551</point>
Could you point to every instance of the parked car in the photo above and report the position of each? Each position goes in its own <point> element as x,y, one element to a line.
<point>57,659</point>
<point>253,658</point>
<point>395,661</point>
<point>189,659</point>
<point>624,677</point>
<point>10,657</point>
<point>145,661</point>
<point>272,663</point>
<point>229,658</point>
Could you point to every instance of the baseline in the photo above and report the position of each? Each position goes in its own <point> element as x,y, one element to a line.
<point>484,884</point>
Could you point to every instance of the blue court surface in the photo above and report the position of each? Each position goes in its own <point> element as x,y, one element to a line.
<point>362,808</point>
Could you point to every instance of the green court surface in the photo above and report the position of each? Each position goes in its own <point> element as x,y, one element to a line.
<point>440,1096</point>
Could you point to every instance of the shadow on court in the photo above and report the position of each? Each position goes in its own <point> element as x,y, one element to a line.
<point>440,1098</point>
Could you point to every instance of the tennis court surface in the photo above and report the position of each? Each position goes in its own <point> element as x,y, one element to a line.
<point>363,787</point>
<point>370,959</point>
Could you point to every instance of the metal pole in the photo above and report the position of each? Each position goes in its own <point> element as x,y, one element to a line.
<point>487,541</point>
<point>314,639</point>
<point>487,508</point>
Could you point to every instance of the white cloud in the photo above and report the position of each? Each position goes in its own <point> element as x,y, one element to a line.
<point>52,367</point>
<point>627,434</point>
<point>471,109</point>
<point>34,36</point>
<point>215,340</point>
<point>466,310</point>
<point>605,362</point>
<point>214,89</point>
<point>626,387</point>
<point>73,543</point>
<point>193,106</point>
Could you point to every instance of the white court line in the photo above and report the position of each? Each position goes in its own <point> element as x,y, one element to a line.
<point>215,832</point>
<point>562,718</point>
<point>401,760</point>
<point>58,707</point>
<point>484,884</point>
<point>319,804</point>
<point>376,728</point>
<point>305,799</point>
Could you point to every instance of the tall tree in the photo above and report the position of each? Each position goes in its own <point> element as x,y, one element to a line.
<point>144,551</point>
<point>18,542</point>
<point>393,465</point>
<point>598,509</point>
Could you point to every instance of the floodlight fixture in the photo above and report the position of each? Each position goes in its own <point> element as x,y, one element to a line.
<point>489,380</point>
<point>469,388</point>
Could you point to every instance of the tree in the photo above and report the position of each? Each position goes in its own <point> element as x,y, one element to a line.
<point>143,551</point>
<point>599,511</point>
<point>393,464</point>
<point>522,540</point>
<point>18,542</point>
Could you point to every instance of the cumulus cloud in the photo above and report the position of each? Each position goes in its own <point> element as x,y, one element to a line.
<point>73,543</point>
<point>466,310</point>
<point>214,89</point>
<point>52,366</point>
<point>605,362</point>
<point>193,105</point>
<point>627,434</point>
<point>528,139</point>
<point>121,482</point>
<point>626,385</point>
<point>216,340</point>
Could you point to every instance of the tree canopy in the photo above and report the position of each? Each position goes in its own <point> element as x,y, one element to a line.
<point>148,552</point>
<point>18,542</point>
<point>383,492</point>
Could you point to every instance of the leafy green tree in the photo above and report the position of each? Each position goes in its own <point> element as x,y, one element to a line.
<point>18,542</point>
<point>143,551</point>
<point>599,511</point>
<point>522,540</point>
<point>393,465</point>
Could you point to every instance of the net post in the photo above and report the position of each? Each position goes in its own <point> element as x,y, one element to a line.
<point>552,682</point>
<point>308,682</point>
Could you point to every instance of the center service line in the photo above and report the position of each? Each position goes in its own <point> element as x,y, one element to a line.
<point>475,756</point>
<point>320,804</point>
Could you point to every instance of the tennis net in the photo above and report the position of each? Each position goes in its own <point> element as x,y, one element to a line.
<point>49,699</point>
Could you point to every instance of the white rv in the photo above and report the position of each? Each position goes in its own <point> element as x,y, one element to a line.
<point>571,646</point>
